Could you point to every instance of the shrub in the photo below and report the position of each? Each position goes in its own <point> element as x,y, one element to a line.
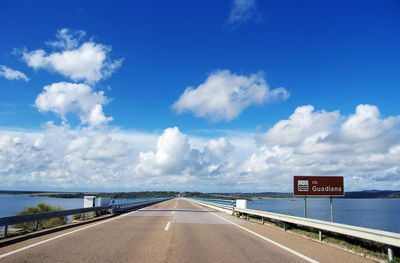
<point>45,223</point>
<point>77,216</point>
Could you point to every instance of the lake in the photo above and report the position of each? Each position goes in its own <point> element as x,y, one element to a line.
<point>382,214</point>
<point>12,204</point>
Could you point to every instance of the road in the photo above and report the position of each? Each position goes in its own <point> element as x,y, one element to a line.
<point>173,231</point>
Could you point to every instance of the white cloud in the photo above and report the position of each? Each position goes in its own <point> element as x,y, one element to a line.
<point>329,132</point>
<point>302,124</point>
<point>94,159</point>
<point>364,147</point>
<point>242,11</point>
<point>12,74</point>
<point>63,98</point>
<point>89,61</point>
<point>365,124</point>
<point>63,158</point>
<point>67,39</point>
<point>96,116</point>
<point>216,151</point>
<point>172,151</point>
<point>360,147</point>
<point>175,156</point>
<point>223,96</point>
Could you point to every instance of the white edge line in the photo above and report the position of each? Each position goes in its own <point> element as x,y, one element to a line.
<point>62,235</point>
<point>167,226</point>
<point>269,240</point>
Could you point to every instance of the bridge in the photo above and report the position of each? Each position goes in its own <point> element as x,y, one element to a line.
<point>176,230</point>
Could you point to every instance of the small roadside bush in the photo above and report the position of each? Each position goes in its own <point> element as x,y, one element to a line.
<point>45,223</point>
<point>77,216</point>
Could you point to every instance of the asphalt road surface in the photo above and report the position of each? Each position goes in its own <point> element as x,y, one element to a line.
<point>173,231</point>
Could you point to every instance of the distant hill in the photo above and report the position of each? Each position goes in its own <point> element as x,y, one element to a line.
<point>229,196</point>
<point>373,194</point>
<point>264,195</point>
<point>249,196</point>
<point>22,192</point>
<point>143,194</point>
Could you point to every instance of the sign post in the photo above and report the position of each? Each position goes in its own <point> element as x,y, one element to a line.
<point>318,186</point>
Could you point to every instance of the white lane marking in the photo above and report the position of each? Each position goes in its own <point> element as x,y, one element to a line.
<point>62,235</point>
<point>167,226</point>
<point>176,204</point>
<point>269,240</point>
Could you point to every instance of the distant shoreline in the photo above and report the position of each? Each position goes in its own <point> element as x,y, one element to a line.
<point>367,194</point>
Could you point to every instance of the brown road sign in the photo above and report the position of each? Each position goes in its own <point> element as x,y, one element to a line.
<point>318,185</point>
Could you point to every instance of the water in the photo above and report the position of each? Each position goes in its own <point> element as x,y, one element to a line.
<point>382,214</point>
<point>12,204</point>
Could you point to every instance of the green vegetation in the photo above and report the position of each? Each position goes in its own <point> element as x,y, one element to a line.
<point>232,196</point>
<point>77,217</point>
<point>373,194</point>
<point>46,223</point>
<point>202,195</point>
<point>147,194</point>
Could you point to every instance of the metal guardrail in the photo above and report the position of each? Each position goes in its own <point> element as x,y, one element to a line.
<point>218,201</point>
<point>11,220</point>
<point>116,208</point>
<point>119,208</point>
<point>379,236</point>
<point>224,206</point>
<point>384,237</point>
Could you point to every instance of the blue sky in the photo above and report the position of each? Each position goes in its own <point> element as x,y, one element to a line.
<point>233,95</point>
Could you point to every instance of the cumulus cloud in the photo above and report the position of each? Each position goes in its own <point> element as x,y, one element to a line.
<point>175,156</point>
<point>60,157</point>
<point>172,151</point>
<point>223,96</point>
<point>318,131</point>
<point>63,98</point>
<point>366,124</point>
<point>12,74</point>
<point>242,11</point>
<point>302,124</point>
<point>217,150</point>
<point>88,61</point>
<point>364,147</point>
<point>63,158</point>
<point>97,117</point>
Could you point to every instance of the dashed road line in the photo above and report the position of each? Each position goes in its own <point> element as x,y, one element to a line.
<point>167,226</point>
